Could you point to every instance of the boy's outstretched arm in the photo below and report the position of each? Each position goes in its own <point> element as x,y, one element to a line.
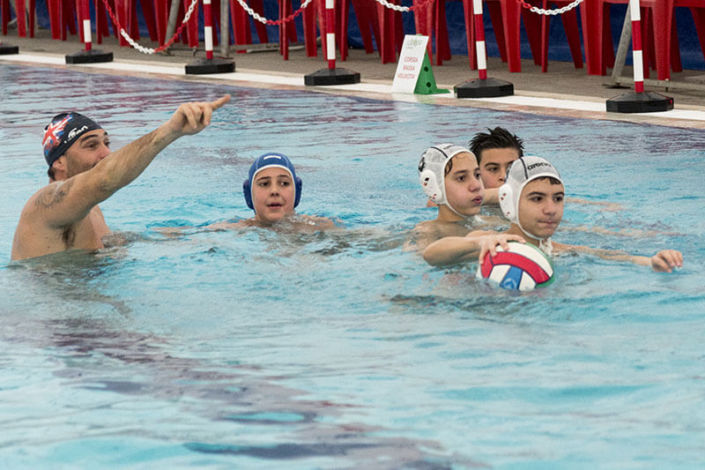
<point>663,261</point>
<point>491,196</point>
<point>666,261</point>
<point>453,250</point>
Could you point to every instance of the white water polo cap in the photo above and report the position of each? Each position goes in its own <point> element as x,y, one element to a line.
<point>432,170</point>
<point>522,171</point>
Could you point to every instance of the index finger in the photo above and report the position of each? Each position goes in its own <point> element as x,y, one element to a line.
<point>483,252</point>
<point>220,102</point>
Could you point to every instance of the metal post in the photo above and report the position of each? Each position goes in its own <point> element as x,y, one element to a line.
<point>623,48</point>
<point>173,15</point>
<point>210,64</point>
<point>225,28</point>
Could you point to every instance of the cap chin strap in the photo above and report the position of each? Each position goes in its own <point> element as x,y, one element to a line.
<point>545,244</point>
<point>466,217</point>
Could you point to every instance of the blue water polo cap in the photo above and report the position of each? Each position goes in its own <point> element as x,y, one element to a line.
<point>265,161</point>
<point>63,130</point>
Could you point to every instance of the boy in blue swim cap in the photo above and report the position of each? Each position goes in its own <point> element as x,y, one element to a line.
<point>273,191</point>
<point>532,199</point>
<point>64,215</point>
<point>272,188</point>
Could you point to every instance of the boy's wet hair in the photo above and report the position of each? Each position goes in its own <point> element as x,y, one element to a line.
<point>497,138</point>
<point>550,179</point>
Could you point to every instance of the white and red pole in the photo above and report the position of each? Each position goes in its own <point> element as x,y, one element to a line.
<point>208,28</point>
<point>209,64</point>
<point>88,55</point>
<point>638,101</point>
<point>331,75</point>
<point>330,33</point>
<point>85,18</point>
<point>480,50</point>
<point>483,87</point>
<point>637,54</point>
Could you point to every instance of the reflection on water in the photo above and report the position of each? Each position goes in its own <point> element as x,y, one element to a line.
<point>98,354</point>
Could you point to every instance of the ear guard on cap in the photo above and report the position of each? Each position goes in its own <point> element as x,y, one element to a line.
<point>430,186</point>
<point>247,192</point>
<point>506,202</point>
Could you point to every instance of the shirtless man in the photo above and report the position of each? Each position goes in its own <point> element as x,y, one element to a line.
<point>64,215</point>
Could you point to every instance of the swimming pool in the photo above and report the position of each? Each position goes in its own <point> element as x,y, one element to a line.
<point>272,350</point>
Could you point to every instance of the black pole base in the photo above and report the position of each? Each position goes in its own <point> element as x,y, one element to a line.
<point>6,49</point>
<point>645,102</point>
<point>331,77</point>
<point>487,88</point>
<point>93,56</point>
<point>207,66</point>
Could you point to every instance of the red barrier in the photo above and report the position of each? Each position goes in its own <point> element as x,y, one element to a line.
<point>88,55</point>
<point>331,75</point>
<point>483,87</point>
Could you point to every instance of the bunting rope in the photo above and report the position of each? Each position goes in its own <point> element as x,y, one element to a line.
<point>557,11</point>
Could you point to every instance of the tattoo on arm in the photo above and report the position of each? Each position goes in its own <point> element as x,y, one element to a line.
<point>52,196</point>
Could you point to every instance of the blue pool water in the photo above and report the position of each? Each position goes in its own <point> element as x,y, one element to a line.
<point>259,349</point>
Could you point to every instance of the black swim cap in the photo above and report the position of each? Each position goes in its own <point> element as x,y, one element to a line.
<point>63,130</point>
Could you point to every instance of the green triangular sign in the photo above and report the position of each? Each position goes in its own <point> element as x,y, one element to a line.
<point>426,83</point>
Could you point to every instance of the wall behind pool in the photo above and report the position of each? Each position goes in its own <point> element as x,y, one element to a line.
<point>691,54</point>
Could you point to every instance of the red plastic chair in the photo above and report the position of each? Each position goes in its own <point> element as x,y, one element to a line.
<point>470,33</point>
<point>367,21</point>
<point>391,32</point>
<point>4,15</point>
<point>22,19</point>
<point>431,21</point>
<point>570,25</point>
<point>240,20</point>
<point>506,17</point>
<point>62,17</point>
<point>597,34</point>
<point>662,35</point>
<point>287,30</point>
<point>697,10</point>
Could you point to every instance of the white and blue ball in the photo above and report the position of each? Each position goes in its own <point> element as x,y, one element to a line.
<point>523,267</point>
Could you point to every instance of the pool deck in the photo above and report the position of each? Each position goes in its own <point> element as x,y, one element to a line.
<point>562,91</point>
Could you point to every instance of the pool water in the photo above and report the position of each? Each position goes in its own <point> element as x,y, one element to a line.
<point>269,349</point>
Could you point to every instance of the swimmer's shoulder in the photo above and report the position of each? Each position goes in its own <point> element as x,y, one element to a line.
<point>313,223</point>
<point>427,232</point>
<point>230,225</point>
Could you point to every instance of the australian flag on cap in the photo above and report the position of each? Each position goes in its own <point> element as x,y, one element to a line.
<point>63,130</point>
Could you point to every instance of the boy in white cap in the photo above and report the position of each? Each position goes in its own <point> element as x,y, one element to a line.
<point>532,199</point>
<point>450,177</point>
